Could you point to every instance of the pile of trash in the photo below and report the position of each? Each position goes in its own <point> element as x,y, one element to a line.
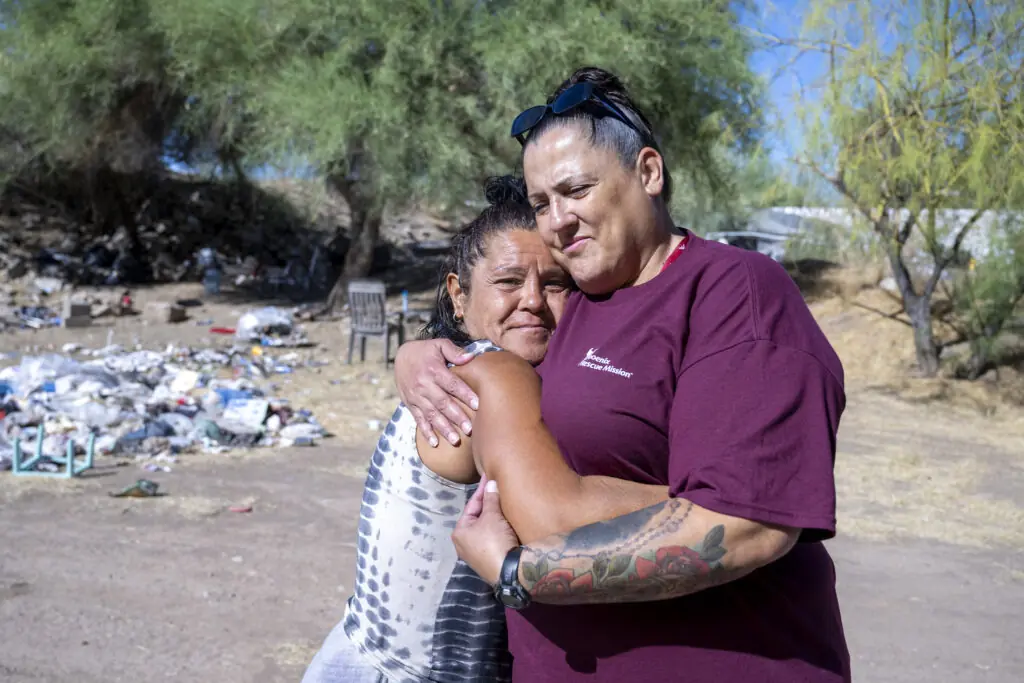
<point>149,404</point>
<point>271,326</point>
<point>49,302</point>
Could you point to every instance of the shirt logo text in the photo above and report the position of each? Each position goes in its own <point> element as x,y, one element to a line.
<point>596,362</point>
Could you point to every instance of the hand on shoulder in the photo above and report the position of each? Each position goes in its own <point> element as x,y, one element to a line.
<point>499,374</point>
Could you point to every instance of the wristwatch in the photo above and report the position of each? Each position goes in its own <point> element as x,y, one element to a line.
<point>508,590</point>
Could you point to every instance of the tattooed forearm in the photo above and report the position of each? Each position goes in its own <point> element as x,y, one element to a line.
<point>645,555</point>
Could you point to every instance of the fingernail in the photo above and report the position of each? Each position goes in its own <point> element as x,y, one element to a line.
<point>454,439</point>
<point>467,427</point>
<point>492,486</point>
<point>433,441</point>
<point>475,404</point>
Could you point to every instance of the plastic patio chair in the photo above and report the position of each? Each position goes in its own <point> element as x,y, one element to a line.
<point>367,301</point>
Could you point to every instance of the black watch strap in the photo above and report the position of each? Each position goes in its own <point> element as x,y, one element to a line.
<point>509,591</point>
<point>510,566</point>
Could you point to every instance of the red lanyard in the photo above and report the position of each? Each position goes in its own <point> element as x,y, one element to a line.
<point>676,252</point>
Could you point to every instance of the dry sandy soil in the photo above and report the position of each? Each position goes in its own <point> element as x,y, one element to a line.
<point>930,553</point>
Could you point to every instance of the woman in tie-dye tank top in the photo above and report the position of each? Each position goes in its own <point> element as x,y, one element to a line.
<point>418,614</point>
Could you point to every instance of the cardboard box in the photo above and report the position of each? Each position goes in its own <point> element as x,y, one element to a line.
<point>160,312</point>
<point>76,313</point>
<point>76,309</point>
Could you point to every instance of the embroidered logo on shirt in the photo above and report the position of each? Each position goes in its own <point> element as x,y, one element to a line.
<point>596,362</point>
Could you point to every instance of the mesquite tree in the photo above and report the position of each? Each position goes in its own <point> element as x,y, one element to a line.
<point>920,111</point>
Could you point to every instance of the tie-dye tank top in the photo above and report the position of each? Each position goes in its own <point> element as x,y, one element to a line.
<point>418,612</point>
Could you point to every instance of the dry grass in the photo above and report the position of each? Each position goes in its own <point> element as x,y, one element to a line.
<point>13,488</point>
<point>918,458</point>
<point>295,654</point>
<point>878,352</point>
<point>897,493</point>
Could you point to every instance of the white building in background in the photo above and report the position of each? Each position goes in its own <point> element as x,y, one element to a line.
<point>769,230</point>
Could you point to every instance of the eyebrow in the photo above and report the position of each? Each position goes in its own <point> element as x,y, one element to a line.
<point>511,270</point>
<point>554,272</point>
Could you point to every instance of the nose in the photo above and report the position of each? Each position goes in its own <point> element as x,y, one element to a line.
<point>531,296</point>
<point>561,218</point>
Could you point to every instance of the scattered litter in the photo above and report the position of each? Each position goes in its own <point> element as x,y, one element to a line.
<point>125,305</point>
<point>271,327</point>
<point>264,321</point>
<point>146,404</point>
<point>240,508</point>
<point>209,262</point>
<point>250,412</point>
<point>37,317</point>
<point>143,488</point>
<point>186,381</point>
<point>48,285</point>
<point>163,312</point>
<point>373,425</point>
<point>300,434</point>
<point>76,313</point>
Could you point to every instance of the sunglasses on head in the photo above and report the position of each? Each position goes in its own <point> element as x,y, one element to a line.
<point>573,97</point>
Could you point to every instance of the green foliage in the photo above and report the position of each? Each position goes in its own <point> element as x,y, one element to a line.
<point>423,93</point>
<point>76,73</point>
<point>988,293</point>
<point>393,101</point>
<point>921,109</point>
<point>916,111</point>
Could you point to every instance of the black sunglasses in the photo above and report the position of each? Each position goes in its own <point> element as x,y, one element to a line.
<point>573,97</point>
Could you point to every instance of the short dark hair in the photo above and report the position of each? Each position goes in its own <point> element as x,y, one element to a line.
<point>607,131</point>
<point>508,209</point>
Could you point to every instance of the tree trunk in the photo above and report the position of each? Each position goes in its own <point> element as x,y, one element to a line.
<point>919,309</point>
<point>364,231</point>
<point>927,350</point>
<point>978,363</point>
<point>366,212</point>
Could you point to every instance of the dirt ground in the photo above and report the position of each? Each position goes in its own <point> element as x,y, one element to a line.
<point>930,551</point>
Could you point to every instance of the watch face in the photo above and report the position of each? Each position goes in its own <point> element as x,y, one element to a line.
<point>511,598</point>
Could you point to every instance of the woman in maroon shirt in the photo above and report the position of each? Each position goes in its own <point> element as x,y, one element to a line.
<point>680,362</point>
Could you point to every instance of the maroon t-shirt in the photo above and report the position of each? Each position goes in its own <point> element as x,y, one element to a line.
<point>712,378</point>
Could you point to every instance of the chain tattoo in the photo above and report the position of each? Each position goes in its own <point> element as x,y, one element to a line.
<point>626,559</point>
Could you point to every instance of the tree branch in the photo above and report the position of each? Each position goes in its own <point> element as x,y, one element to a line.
<point>903,234</point>
<point>839,184</point>
<point>891,316</point>
<point>823,46</point>
<point>943,260</point>
<point>962,234</point>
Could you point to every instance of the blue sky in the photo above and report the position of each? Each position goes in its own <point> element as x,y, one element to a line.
<point>786,77</point>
